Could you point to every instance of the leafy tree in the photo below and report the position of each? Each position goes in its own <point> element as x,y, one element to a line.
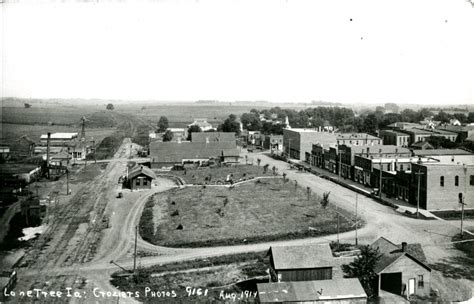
<point>325,200</point>
<point>168,136</point>
<point>443,117</point>
<point>259,161</point>
<point>461,117</point>
<point>251,121</point>
<point>109,106</point>
<point>27,105</point>
<point>230,125</point>
<point>163,124</point>
<point>371,123</point>
<point>389,118</point>
<point>265,168</point>
<point>470,117</point>
<point>408,115</point>
<point>192,129</point>
<point>424,113</point>
<point>440,142</point>
<point>363,268</point>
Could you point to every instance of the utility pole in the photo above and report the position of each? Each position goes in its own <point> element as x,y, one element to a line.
<point>67,181</point>
<point>463,200</point>
<point>135,251</point>
<point>357,221</point>
<point>380,182</point>
<point>418,194</point>
<point>93,148</point>
<point>340,162</point>
<point>337,211</point>
<point>289,148</point>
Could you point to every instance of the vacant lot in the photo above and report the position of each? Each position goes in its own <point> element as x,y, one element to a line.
<point>214,274</point>
<point>257,211</point>
<point>208,175</point>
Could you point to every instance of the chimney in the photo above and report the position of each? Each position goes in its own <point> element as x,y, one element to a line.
<point>404,247</point>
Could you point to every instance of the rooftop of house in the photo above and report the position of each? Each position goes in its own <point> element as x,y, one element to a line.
<point>212,136</point>
<point>423,144</point>
<point>137,170</point>
<point>303,291</point>
<point>419,131</point>
<point>355,136</point>
<point>16,168</point>
<point>457,128</point>
<point>305,130</point>
<point>175,152</point>
<point>391,252</point>
<point>433,152</point>
<point>60,135</point>
<point>302,257</point>
<point>395,132</point>
<point>202,122</point>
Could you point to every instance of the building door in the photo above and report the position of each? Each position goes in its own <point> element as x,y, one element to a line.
<point>391,282</point>
<point>411,287</point>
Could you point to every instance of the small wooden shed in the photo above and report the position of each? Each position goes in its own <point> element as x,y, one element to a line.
<point>140,177</point>
<point>301,263</point>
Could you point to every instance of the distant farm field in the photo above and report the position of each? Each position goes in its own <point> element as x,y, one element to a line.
<point>256,211</point>
<point>11,132</point>
<point>183,115</point>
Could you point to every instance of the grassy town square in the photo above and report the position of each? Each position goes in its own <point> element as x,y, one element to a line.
<point>256,210</point>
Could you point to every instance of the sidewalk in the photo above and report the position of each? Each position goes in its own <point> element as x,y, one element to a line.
<point>400,205</point>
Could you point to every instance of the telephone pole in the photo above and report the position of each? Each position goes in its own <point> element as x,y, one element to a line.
<point>418,195</point>
<point>357,222</point>
<point>380,181</point>
<point>135,251</point>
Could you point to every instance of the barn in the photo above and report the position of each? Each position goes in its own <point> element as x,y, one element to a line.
<point>301,263</point>
<point>402,269</point>
<point>140,177</point>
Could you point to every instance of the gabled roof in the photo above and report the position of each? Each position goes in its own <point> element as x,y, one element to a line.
<point>136,171</point>
<point>212,136</point>
<point>175,152</point>
<point>302,257</point>
<point>423,144</point>
<point>305,291</point>
<point>391,253</point>
<point>61,155</point>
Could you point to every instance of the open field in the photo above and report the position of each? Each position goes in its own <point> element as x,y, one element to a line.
<point>12,132</point>
<point>207,175</point>
<point>180,116</point>
<point>215,274</point>
<point>257,211</point>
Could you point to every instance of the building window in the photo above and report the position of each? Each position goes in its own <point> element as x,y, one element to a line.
<point>145,182</point>
<point>401,167</point>
<point>137,182</point>
<point>456,180</point>
<point>471,180</point>
<point>441,181</point>
<point>421,283</point>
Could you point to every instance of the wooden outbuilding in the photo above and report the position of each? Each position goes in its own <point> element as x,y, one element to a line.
<point>402,269</point>
<point>301,263</point>
<point>140,177</point>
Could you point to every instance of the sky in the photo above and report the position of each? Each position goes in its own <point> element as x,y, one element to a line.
<point>356,51</point>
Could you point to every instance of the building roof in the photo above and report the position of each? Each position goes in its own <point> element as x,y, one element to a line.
<point>346,136</point>
<point>60,135</point>
<point>61,155</point>
<point>136,171</point>
<point>377,149</point>
<point>442,152</point>
<point>423,144</point>
<point>302,257</point>
<point>398,133</point>
<point>212,136</point>
<point>391,252</point>
<point>302,291</point>
<point>175,152</point>
<point>16,168</point>
<point>420,131</point>
<point>201,122</point>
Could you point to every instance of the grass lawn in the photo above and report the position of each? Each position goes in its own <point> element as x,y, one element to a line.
<point>257,211</point>
<point>239,172</point>
<point>214,274</point>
